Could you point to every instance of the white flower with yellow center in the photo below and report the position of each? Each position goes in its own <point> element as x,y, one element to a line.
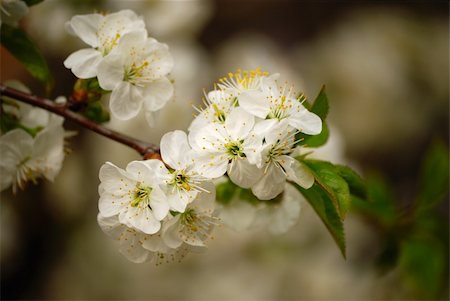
<point>135,71</point>
<point>280,103</point>
<point>277,164</point>
<point>183,180</point>
<point>34,147</point>
<point>102,33</point>
<point>242,81</point>
<point>229,147</point>
<point>195,224</point>
<point>134,194</point>
<point>218,105</point>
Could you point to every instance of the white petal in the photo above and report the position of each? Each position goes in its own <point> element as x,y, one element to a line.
<point>297,172</point>
<point>111,226</point>
<point>271,184</point>
<point>111,71</point>
<point>159,203</point>
<point>160,59</point>
<point>175,149</point>
<point>157,94</point>
<point>239,123</point>
<point>114,179</point>
<point>126,101</point>
<point>244,174</point>
<point>255,103</point>
<point>85,27</point>
<point>288,211</point>
<point>141,219</point>
<point>155,243</point>
<point>170,233</point>
<point>306,122</point>
<point>205,200</point>
<point>130,246</point>
<point>178,200</point>
<point>84,62</point>
<point>211,165</point>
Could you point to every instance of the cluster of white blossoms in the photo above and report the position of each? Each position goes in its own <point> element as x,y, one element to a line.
<point>162,209</point>
<point>133,66</point>
<point>31,143</point>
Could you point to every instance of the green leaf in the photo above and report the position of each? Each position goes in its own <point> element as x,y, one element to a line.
<point>320,200</point>
<point>332,183</point>
<point>355,183</point>
<point>434,176</point>
<point>96,112</point>
<point>423,264</point>
<point>320,107</point>
<point>380,204</point>
<point>23,49</point>
<point>32,2</point>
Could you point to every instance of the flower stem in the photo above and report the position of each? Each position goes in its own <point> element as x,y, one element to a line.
<point>143,148</point>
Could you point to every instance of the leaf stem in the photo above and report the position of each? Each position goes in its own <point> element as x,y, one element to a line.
<point>145,149</point>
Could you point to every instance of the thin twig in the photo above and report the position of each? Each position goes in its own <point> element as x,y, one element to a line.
<point>143,148</point>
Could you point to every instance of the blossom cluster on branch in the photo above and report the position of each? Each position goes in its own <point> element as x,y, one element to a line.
<point>247,131</point>
<point>241,163</point>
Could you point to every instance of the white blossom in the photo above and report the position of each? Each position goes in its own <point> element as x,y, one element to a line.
<point>279,103</point>
<point>278,165</point>
<point>183,181</point>
<point>135,71</point>
<point>134,194</point>
<point>280,216</point>
<point>229,147</point>
<point>102,33</point>
<point>195,224</point>
<point>34,148</point>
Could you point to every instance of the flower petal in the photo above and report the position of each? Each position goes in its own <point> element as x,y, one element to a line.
<point>244,174</point>
<point>159,203</point>
<point>157,94</point>
<point>111,71</point>
<point>85,27</point>
<point>126,101</point>
<point>175,149</point>
<point>306,122</point>
<point>239,123</point>
<point>170,233</point>
<point>84,62</point>
<point>255,103</point>
<point>297,172</point>
<point>271,183</point>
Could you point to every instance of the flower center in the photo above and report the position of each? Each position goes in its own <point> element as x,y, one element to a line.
<point>218,113</point>
<point>109,43</point>
<point>135,72</point>
<point>235,149</point>
<point>279,108</point>
<point>141,195</point>
<point>181,180</point>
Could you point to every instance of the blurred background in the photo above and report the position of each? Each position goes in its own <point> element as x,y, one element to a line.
<point>386,69</point>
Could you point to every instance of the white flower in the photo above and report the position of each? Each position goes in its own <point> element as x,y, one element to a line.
<point>279,103</point>
<point>242,81</point>
<point>139,247</point>
<point>11,11</point>
<point>195,224</point>
<point>134,194</point>
<point>34,147</point>
<point>219,104</point>
<point>183,181</point>
<point>231,146</point>
<point>27,158</point>
<point>102,33</point>
<point>278,165</point>
<point>283,214</point>
<point>135,73</point>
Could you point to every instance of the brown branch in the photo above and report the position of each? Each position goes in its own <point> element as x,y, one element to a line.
<point>147,150</point>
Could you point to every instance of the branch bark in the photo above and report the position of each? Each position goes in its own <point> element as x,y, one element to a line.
<point>147,150</point>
